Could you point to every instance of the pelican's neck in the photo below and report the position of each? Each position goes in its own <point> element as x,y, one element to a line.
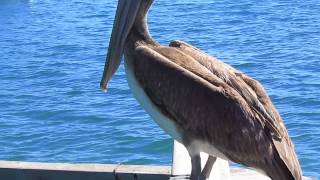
<point>139,31</point>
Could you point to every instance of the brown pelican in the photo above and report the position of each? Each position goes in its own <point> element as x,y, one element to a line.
<point>200,101</point>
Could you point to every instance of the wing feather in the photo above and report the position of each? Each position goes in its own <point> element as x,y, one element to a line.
<point>251,90</point>
<point>201,103</point>
<point>256,96</point>
<point>215,107</point>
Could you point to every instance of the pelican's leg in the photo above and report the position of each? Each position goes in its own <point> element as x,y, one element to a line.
<point>195,167</point>
<point>208,167</point>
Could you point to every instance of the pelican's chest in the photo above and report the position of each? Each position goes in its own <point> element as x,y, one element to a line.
<point>164,122</point>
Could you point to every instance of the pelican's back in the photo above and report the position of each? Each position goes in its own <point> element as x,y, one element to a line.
<point>285,164</point>
<point>218,106</point>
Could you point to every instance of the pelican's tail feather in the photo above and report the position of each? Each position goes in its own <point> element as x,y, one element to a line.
<point>284,165</point>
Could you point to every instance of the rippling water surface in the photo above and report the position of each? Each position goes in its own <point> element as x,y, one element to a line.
<point>52,55</point>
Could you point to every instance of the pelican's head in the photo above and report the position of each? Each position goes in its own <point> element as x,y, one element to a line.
<point>127,12</point>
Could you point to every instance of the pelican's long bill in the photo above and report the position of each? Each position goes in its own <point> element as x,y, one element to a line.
<point>124,19</point>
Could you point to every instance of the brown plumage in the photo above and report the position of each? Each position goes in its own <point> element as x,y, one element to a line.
<point>250,88</point>
<point>210,101</point>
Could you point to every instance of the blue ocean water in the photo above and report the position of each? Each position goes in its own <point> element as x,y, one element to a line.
<point>52,55</point>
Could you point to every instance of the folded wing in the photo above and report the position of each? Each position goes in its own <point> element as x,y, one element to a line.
<point>213,102</point>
